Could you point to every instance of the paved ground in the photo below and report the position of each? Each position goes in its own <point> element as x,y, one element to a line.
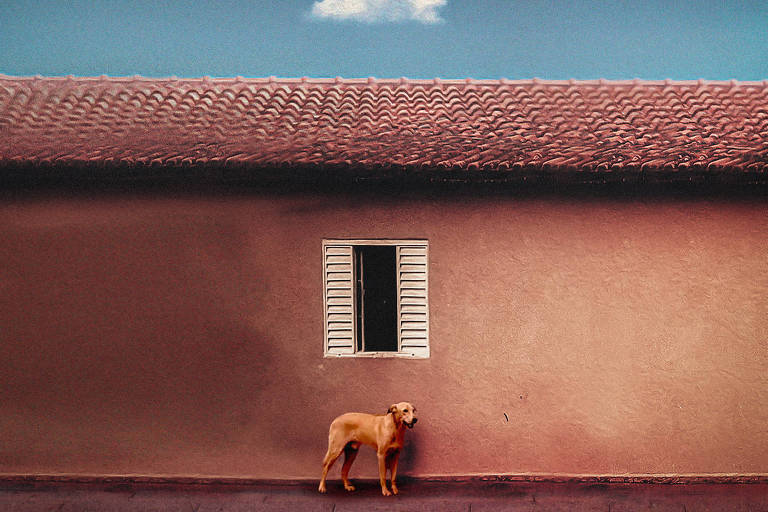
<point>422,496</point>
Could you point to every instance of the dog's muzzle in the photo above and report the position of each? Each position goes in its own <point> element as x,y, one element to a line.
<point>411,424</point>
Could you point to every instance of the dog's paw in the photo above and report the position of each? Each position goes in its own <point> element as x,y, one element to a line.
<point>394,490</point>
<point>322,489</point>
<point>350,488</point>
<point>385,492</point>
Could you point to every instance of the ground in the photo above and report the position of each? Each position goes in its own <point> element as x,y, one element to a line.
<point>473,496</point>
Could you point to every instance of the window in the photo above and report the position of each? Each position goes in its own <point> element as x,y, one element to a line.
<point>376,298</point>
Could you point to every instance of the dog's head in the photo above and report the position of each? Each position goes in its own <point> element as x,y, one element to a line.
<point>403,412</point>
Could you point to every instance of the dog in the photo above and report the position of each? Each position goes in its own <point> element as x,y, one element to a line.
<point>383,432</point>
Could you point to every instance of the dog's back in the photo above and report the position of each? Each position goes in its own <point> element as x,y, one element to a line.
<point>354,426</point>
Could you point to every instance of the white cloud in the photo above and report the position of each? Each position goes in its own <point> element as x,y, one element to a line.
<point>372,11</point>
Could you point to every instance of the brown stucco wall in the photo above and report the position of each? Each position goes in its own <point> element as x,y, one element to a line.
<point>163,334</point>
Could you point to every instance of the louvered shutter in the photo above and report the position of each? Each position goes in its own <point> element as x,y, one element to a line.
<point>339,310</point>
<point>413,313</point>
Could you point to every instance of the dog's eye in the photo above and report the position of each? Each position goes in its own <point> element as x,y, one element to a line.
<point>405,410</point>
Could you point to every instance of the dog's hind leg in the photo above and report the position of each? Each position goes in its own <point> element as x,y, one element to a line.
<point>350,452</point>
<point>330,457</point>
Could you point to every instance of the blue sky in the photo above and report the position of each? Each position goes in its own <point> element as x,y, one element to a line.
<point>651,39</point>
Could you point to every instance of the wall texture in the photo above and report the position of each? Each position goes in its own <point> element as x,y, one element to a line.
<point>164,334</point>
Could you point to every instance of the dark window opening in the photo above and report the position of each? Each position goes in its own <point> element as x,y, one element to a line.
<point>376,298</point>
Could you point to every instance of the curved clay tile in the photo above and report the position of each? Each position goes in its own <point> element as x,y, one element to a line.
<point>504,125</point>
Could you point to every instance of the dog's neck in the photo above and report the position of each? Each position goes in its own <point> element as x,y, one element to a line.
<point>399,425</point>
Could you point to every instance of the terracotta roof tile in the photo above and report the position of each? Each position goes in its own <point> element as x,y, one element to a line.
<point>466,125</point>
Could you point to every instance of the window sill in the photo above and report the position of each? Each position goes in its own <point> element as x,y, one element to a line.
<point>376,355</point>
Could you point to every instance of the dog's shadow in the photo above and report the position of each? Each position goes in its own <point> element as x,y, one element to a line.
<point>364,488</point>
<point>409,457</point>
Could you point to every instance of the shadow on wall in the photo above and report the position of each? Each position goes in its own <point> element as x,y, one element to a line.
<point>409,458</point>
<point>124,346</point>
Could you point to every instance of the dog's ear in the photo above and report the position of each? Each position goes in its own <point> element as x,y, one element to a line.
<point>392,409</point>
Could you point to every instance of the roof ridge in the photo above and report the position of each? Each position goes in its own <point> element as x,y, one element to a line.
<point>388,81</point>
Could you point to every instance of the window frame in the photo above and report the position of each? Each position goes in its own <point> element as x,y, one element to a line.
<point>421,352</point>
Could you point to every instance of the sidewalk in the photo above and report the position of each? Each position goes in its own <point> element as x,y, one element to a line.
<point>414,496</point>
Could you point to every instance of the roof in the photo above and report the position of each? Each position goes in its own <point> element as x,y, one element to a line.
<point>467,125</point>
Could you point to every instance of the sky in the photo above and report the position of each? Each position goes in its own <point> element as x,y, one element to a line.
<point>580,39</point>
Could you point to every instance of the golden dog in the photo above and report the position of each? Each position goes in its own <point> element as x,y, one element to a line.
<point>383,432</point>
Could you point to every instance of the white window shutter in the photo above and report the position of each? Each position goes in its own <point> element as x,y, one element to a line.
<point>339,305</point>
<point>413,313</point>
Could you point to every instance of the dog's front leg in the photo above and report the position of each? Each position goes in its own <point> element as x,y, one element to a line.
<point>383,473</point>
<point>393,469</point>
